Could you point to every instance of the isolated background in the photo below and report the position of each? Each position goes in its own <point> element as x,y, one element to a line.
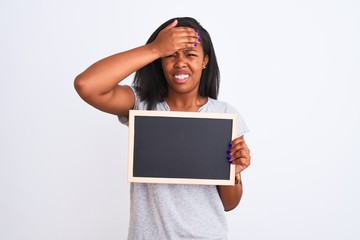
<point>290,67</point>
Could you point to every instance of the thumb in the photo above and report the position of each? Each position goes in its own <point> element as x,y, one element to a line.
<point>173,24</point>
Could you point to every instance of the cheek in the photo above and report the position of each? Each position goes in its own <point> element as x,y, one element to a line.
<point>165,71</point>
<point>197,69</point>
<point>165,66</point>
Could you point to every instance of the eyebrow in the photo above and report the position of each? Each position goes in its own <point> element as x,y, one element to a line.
<point>189,50</point>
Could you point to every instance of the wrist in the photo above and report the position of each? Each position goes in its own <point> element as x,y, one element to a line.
<point>154,50</point>
<point>238,179</point>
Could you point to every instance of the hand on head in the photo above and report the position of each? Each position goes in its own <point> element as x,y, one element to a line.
<point>172,39</point>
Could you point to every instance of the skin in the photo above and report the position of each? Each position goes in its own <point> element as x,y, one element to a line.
<point>183,93</point>
<point>240,156</point>
<point>99,86</point>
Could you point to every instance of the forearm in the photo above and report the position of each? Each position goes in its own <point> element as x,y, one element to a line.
<point>101,77</point>
<point>230,195</point>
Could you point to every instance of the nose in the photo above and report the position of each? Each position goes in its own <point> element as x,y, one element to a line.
<point>180,61</point>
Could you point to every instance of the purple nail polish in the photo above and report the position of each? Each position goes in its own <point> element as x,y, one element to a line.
<point>199,34</point>
<point>195,45</point>
<point>230,145</point>
<point>199,40</point>
<point>195,30</point>
<point>228,158</point>
<point>228,152</point>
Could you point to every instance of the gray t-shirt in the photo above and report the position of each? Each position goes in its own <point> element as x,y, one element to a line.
<point>176,211</point>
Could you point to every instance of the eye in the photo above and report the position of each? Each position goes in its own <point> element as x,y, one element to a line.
<point>170,56</point>
<point>191,55</point>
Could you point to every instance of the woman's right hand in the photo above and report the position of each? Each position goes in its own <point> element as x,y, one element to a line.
<point>99,85</point>
<point>172,39</point>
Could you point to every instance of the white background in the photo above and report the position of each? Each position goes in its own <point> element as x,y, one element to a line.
<point>290,67</point>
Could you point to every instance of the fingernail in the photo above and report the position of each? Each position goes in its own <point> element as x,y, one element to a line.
<point>228,152</point>
<point>199,40</point>
<point>228,158</point>
<point>195,45</point>
<point>195,30</point>
<point>230,162</point>
<point>199,35</point>
<point>230,145</point>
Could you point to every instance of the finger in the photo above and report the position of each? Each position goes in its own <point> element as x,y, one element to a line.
<point>184,41</point>
<point>243,162</point>
<point>238,140</point>
<point>188,40</point>
<point>239,148</point>
<point>186,32</point>
<point>188,45</point>
<point>172,25</point>
<point>242,153</point>
<point>239,158</point>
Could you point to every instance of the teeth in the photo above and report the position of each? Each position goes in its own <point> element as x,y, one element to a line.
<point>182,76</point>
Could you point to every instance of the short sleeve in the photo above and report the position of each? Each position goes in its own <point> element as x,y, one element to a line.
<point>125,120</point>
<point>242,127</point>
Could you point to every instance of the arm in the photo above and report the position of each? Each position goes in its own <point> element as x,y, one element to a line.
<point>230,196</point>
<point>98,85</point>
<point>240,156</point>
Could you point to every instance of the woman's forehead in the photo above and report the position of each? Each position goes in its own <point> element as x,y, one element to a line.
<point>188,50</point>
<point>193,49</point>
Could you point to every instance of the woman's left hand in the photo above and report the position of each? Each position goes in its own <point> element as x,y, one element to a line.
<point>239,154</point>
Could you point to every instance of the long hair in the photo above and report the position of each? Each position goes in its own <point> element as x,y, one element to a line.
<point>150,81</point>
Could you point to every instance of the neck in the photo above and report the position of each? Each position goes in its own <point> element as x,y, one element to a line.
<point>185,103</point>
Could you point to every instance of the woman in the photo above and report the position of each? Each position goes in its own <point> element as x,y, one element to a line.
<point>175,71</point>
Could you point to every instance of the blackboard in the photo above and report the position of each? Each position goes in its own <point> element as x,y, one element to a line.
<point>180,147</point>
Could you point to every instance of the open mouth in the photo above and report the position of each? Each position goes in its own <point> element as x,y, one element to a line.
<point>181,78</point>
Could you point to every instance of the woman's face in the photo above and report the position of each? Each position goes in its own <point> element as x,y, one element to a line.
<point>183,70</point>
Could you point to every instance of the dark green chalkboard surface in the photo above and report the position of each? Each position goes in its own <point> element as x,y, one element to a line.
<point>180,147</point>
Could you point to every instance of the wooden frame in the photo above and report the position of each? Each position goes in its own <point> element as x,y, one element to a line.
<point>155,135</point>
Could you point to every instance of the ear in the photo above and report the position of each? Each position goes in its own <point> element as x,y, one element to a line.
<point>205,61</point>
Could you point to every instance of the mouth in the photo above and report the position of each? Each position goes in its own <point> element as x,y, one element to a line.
<point>181,78</point>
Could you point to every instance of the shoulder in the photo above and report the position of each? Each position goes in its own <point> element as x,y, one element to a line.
<point>142,105</point>
<point>217,106</point>
<point>221,106</point>
<point>139,105</point>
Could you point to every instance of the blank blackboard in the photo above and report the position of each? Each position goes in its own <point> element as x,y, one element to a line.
<point>180,147</point>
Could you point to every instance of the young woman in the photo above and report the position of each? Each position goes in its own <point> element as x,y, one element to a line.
<point>175,71</point>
